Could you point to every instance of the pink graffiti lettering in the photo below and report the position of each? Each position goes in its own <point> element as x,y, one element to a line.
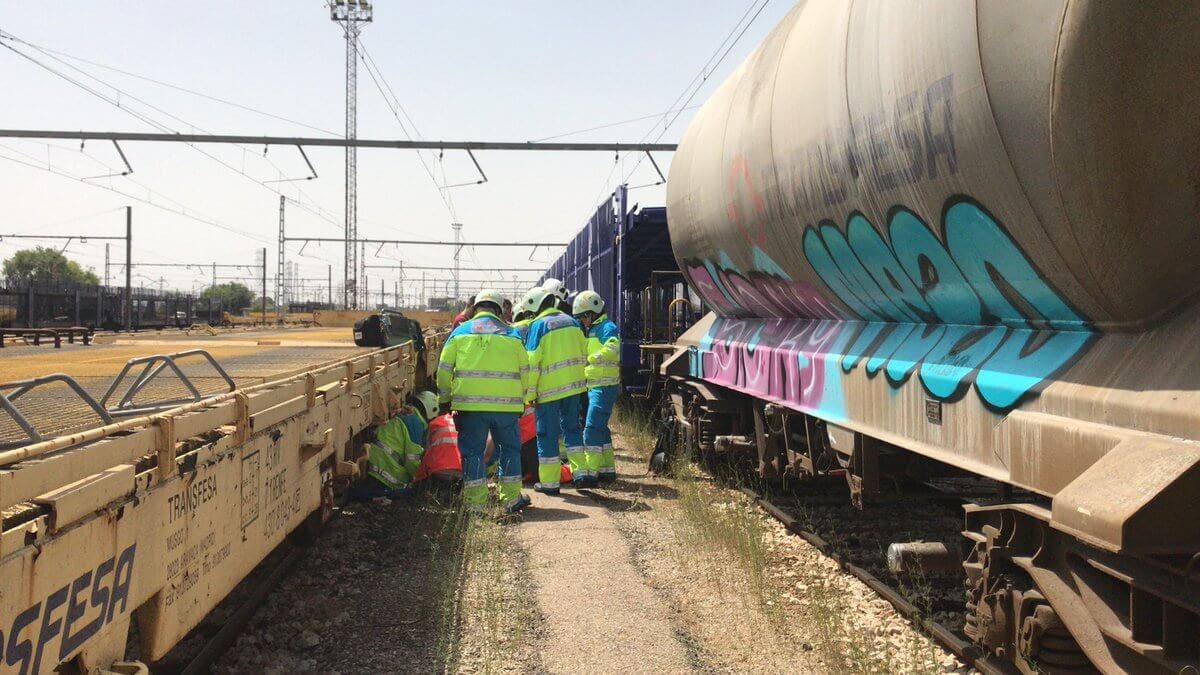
<point>777,359</point>
<point>731,294</point>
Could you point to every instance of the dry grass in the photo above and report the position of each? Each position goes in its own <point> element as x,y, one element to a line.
<point>789,597</point>
<point>487,610</point>
<point>717,543</point>
<point>722,525</point>
<point>635,428</point>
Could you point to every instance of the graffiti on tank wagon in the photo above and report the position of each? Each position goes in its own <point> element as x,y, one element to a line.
<point>966,309</point>
<point>785,360</point>
<point>767,291</point>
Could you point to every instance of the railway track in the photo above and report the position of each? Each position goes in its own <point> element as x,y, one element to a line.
<point>198,652</point>
<point>940,632</point>
<point>812,513</point>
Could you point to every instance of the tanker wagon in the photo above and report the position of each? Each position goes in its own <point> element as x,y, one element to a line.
<point>963,238</point>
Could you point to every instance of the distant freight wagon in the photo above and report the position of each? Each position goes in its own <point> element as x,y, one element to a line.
<point>624,254</point>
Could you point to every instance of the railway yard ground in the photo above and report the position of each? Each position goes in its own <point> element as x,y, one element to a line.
<point>654,574</point>
<point>674,573</point>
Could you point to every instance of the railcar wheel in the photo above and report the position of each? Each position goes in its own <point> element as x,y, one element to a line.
<point>1010,618</point>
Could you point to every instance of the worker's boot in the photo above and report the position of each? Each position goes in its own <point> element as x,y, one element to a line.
<point>517,505</point>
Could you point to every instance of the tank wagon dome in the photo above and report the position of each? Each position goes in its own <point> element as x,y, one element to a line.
<point>1026,163</point>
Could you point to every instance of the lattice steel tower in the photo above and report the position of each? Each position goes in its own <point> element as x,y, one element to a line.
<point>351,14</point>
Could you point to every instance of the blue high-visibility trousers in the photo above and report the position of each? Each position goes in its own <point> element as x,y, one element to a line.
<point>597,438</point>
<point>473,428</point>
<point>554,418</point>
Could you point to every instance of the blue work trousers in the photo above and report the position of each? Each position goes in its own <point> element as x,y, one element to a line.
<point>596,433</point>
<point>555,418</point>
<point>473,428</point>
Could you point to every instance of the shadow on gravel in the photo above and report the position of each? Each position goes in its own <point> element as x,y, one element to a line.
<point>549,514</point>
<point>575,496</point>
<point>648,490</point>
<point>617,503</point>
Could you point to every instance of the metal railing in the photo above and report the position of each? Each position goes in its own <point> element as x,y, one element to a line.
<point>12,391</point>
<point>153,366</point>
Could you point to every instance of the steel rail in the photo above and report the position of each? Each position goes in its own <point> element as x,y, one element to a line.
<point>224,638</point>
<point>966,652</point>
<point>312,141</point>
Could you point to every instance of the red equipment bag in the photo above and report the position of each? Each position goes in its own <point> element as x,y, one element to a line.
<point>527,425</point>
<point>441,458</point>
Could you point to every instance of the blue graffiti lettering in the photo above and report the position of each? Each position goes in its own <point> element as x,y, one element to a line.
<point>961,308</point>
<point>971,311</point>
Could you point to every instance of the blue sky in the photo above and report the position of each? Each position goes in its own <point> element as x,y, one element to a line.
<point>462,70</point>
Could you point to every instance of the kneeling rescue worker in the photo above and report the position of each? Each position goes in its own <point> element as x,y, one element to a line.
<point>442,460</point>
<point>396,455</point>
<point>603,377</point>
<point>555,344</point>
<point>483,375</point>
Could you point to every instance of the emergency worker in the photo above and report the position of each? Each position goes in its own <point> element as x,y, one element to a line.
<point>603,373</point>
<point>522,315</point>
<point>396,455</point>
<point>556,358</point>
<point>559,290</point>
<point>527,425</point>
<point>484,375</point>
<point>442,460</point>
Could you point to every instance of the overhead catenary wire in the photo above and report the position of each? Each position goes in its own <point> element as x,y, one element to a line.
<point>129,195</point>
<point>609,125</point>
<point>89,180</point>
<point>44,226</point>
<point>706,71</point>
<point>146,118</point>
<point>161,83</point>
<point>118,103</point>
<point>302,200</point>
<point>694,86</point>
<point>397,110</point>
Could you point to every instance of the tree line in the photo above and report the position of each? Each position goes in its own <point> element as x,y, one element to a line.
<point>45,266</point>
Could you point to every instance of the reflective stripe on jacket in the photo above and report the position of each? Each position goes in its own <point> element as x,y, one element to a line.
<point>441,456</point>
<point>404,436</point>
<point>385,467</point>
<point>557,356</point>
<point>483,367</point>
<point>603,353</point>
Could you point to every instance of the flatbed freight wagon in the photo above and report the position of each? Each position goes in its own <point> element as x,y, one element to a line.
<point>155,518</point>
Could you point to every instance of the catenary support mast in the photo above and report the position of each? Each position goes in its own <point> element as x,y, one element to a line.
<point>351,14</point>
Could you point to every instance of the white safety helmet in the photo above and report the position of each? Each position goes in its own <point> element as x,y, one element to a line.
<point>522,304</point>
<point>533,299</point>
<point>428,402</point>
<point>556,288</point>
<point>490,295</point>
<point>587,301</point>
